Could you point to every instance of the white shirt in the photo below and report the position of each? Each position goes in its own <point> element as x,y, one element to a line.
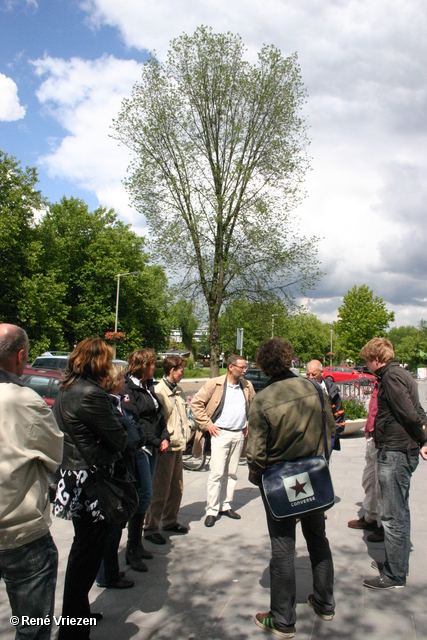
<point>233,415</point>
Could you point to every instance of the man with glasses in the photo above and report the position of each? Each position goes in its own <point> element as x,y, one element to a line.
<point>314,371</point>
<point>221,409</point>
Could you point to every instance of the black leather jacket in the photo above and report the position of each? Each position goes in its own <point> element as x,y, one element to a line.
<point>400,418</point>
<point>86,410</point>
<point>137,401</point>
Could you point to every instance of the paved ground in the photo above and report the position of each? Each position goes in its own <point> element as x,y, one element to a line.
<point>210,583</point>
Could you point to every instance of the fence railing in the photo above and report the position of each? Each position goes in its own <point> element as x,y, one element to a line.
<point>360,389</point>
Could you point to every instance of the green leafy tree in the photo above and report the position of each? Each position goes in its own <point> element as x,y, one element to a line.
<point>256,318</point>
<point>219,157</point>
<point>88,250</point>
<point>19,201</point>
<point>361,317</point>
<point>409,344</point>
<point>309,336</point>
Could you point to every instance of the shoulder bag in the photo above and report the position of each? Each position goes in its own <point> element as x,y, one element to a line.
<point>303,486</point>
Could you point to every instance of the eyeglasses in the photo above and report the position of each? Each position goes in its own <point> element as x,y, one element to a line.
<point>239,367</point>
<point>310,375</point>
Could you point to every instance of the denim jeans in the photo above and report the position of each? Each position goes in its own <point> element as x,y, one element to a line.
<point>282,566</point>
<point>146,465</point>
<point>394,475</point>
<point>30,574</point>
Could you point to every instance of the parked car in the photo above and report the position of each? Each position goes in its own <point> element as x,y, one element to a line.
<point>44,381</point>
<point>58,360</point>
<point>339,374</point>
<point>258,379</point>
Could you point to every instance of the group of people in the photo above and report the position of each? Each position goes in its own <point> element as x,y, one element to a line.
<point>120,422</point>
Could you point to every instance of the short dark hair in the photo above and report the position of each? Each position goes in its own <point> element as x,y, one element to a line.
<point>233,360</point>
<point>12,342</point>
<point>139,360</point>
<point>274,356</point>
<point>172,362</point>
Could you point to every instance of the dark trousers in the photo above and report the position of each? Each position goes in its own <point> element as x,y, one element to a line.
<point>83,563</point>
<point>282,566</point>
<point>109,570</point>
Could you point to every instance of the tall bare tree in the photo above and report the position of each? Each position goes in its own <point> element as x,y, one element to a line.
<point>219,157</point>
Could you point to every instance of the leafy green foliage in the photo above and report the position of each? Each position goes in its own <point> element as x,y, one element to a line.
<point>219,157</point>
<point>309,336</point>
<point>182,316</point>
<point>354,409</point>
<point>361,317</point>
<point>19,201</point>
<point>408,342</point>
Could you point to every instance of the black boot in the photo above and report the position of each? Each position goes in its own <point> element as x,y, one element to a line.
<point>134,546</point>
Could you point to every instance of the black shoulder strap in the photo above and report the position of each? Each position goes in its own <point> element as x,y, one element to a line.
<point>322,401</point>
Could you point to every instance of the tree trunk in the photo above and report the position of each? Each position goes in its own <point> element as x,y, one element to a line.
<point>214,345</point>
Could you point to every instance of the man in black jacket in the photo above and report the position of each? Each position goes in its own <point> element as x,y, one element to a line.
<point>400,435</point>
<point>314,371</point>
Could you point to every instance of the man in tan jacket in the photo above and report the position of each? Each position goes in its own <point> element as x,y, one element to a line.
<point>221,408</point>
<point>30,447</point>
<point>168,476</point>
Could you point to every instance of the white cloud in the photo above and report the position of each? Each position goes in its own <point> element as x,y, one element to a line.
<point>84,96</point>
<point>363,63</point>
<point>10,109</point>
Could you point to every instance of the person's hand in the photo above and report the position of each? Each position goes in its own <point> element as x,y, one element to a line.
<point>245,431</point>
<point>164,446</point>
<point>423,452</point>
<point>214,431</point>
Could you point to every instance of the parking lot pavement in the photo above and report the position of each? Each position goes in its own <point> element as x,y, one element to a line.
<point>210,583</point>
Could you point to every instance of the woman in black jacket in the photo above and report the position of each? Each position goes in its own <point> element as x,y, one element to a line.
<point>140,400</point>
<point>84,413</point>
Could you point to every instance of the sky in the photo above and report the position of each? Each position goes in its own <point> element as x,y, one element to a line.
<point>66,65</point>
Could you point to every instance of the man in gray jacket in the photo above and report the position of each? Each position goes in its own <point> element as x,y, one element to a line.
<point>30,448</point>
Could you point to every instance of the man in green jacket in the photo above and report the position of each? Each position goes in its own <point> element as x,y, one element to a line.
<point>285,423</point>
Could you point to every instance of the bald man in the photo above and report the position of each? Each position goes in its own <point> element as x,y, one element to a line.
<point>314,371</point>
<point>30,448</point>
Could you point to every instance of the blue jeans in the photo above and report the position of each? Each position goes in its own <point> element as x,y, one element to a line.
<point>394,475</point>
<point>146,465</point>
<point>30,574</point>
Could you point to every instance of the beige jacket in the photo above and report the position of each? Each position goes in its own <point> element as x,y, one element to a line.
<point>174,405</point>
<point>206,402</point>
<point>30,447</point>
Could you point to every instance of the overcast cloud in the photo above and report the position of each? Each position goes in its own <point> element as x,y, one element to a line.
<point>363,64</point>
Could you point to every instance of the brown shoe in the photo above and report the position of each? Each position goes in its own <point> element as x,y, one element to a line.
<point>361,523</point>
<point>377,535</point>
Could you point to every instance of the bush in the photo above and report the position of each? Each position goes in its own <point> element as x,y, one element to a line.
<point>354,409</point>
<point>190,364</point>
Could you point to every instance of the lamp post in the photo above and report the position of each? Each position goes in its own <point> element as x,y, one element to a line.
<point>118,276</point>
<point>330,361</point>
<point>272,324</point>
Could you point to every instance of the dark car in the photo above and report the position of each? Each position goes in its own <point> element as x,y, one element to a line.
<point>258,378</point>
<point>44,381</point>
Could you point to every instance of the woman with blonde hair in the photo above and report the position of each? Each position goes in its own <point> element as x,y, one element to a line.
<point>139,399</point>
<point>84,413</point>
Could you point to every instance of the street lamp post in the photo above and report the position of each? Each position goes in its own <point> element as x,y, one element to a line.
<point>272,324</point>
<point>118,276</point>
<point>330,357</point>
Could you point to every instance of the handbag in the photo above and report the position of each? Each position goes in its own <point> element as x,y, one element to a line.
<point>117,496</point>
<point>299,487</point>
